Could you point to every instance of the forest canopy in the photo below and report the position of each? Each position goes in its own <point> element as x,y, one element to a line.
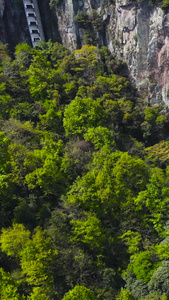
<point>84,179</point>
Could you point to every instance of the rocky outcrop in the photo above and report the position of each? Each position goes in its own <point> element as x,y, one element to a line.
<point>137,32</point>
<point>142,43</point>
<point>49,21</point>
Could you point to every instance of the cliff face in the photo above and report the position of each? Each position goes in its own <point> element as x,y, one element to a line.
<point>13,25</point>
<point>135,31</point>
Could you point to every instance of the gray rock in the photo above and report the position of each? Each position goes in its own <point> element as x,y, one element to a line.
<point>135,31</point>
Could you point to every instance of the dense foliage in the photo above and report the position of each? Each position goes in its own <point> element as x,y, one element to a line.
<point>84,179</point>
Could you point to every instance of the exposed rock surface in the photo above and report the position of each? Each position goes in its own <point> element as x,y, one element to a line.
<point>49,21</point>
<point>2,7</point>
<point>13,24</point>
<point>135,31</point>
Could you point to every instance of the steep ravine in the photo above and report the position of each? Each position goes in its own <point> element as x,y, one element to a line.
<point>135,31</point>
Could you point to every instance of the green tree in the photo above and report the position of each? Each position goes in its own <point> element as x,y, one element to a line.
<point>158,154</point>
<point>4,55</point>
<point>154,200</point>
<point>155,296</point>
<point>83,65</point>
<point>132,240</point>
<point>81,114</point>
<point>4,154</point>
<point>8,287</point>
<point>124,295</point>
<point>89,231</point>
<point>79,292</point>
<point>5,102</point>
<point>23,56</point>
<point>35,254</point>
<point>143,265</point>
<point>154,125</point>
<point>160,279</point>
<point>131,174</point>
<point>42,78</point>
<point>113,86</point>
<point>13,240</point>
<point>99,136</point>
<point>111,184</point>
<point>47,167</point>
<point>94,191</point>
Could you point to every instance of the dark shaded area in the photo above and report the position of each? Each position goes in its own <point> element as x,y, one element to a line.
<point>49,21</point>
<point>13,26</point>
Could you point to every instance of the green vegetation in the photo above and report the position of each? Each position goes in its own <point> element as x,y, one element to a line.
<point>84,179</point>
<point>164,4</point>
<point>91,25</point>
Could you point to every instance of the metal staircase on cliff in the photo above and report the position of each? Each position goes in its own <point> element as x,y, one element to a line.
<point>34,21</point>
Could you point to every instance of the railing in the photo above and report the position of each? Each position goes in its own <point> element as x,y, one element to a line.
<point>34,21</point>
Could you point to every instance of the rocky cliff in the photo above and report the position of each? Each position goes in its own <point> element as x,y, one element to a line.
<point>136,31</point>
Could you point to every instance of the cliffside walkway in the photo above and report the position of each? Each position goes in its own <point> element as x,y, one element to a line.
<point>34,21</point>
